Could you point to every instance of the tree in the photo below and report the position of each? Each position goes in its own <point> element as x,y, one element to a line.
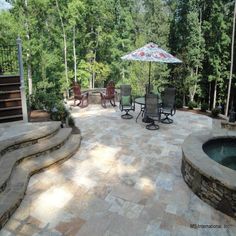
<point>65,44</point>
<point>217,39</point>
<point>188,42</point>
<point>232,61</point>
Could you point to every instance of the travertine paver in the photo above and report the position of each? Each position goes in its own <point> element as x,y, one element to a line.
<point>124,180</point>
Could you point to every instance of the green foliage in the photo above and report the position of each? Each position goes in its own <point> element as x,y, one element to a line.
<point>200,35</point>
<point>44,96</point>
<point>59,112</point>
<point>191,105</point>
<point>204,106</point>
<point>187,40</point>
<point>42,100</point>
<point>71,121</point>
<point>178,103</point>
<point>196,31</point>
<point>215,112</point>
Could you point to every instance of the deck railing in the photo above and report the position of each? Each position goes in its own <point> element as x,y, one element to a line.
<point>12,89</point>
<point>9,60</point>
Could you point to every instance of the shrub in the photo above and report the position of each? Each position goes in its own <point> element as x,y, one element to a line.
<point>71,121</point>
<point>192,105</point>
<point>41,100</point>
<point>178,103</point>
<point>59,112</point>
<point>215,112</point>
<point>204,106</point>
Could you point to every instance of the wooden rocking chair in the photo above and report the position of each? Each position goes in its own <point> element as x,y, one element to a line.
<point>109,95</point>
<point>81,97</point>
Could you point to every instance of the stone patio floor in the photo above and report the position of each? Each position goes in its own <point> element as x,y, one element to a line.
<point>124,180</point>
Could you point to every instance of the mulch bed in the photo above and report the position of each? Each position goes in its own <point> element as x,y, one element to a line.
<point>196,111</point>
<point>39,116</point>
<point>43,116</point>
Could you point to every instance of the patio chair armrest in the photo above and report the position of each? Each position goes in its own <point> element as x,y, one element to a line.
<point>173,110</point>
<point>85,94</point>
<point>102,94</point>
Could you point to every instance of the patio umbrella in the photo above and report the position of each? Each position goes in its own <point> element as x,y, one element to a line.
<point>151,53</point>
<point>5,5</point>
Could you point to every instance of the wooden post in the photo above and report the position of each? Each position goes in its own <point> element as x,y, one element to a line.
<point>22,87</point>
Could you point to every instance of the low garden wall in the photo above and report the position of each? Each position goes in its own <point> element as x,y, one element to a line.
<point>213,183</point>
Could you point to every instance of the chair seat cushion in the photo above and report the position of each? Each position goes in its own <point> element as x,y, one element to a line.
<point>167,109</point>
<point>125,100</point>
<point>79,97</point>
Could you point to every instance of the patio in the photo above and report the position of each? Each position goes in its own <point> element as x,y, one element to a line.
<point>124,180</point>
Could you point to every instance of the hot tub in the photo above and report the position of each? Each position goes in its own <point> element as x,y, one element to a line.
<point>223,151</point>
<point>208,168</point>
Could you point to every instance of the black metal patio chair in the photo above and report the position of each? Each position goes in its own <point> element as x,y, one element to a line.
<point>126,102</point>
<point>168,105</point>
<point>152,110</point>
<point>148,88</point>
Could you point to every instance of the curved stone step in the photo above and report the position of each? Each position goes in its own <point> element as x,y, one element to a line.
<point>12,196</point>
<point>48,129</point>
<point>9,160</point>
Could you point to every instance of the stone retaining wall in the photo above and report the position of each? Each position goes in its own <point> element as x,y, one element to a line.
<point>213,183</point>
<point>95,97</point>
<point>209,190</point>
<point>228,125</point>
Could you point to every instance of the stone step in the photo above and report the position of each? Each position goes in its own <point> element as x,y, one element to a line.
<point>11,159</point>
<point>12,196</point>
<point>46,130</point>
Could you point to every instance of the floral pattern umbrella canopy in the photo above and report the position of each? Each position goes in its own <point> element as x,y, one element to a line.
<point>151,53</point>
<point>5,5</point>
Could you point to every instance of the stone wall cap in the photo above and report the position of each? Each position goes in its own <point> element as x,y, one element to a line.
<point>196,157</point>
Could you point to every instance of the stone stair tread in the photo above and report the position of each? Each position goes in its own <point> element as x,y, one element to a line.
<point>69,147</point>
<point>10,159</point>
<point>13,194</point>
<point>44,131</point>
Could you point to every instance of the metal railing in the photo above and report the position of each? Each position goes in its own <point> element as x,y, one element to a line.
<point>9,60</point>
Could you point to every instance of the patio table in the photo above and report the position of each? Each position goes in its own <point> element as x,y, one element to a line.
<point>141,101</point>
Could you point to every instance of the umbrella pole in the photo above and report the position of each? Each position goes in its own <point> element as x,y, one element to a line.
<point>149,81</point>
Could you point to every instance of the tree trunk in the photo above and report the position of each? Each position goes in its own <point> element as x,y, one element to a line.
<point>209,96</point>
<point>29,74</point>
<point>28,55</point>
<point>123,74</point>
<point>184,99</point>
<point>215,93</point>
<point>94,58</point>
<point>75,59</point>
<point>93,76</point>
<point>232,62</point>
<point>65,48</point>
<point>192,89</point>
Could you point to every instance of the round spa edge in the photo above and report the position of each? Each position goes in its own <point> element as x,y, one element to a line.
<point>214,183</point>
